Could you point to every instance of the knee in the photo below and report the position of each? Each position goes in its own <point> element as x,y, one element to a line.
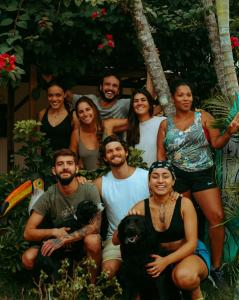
<point>185,279</point>
<point>111,267</point>
<point>92,243</point>
<point>29,258</point>
<point>216,218</point>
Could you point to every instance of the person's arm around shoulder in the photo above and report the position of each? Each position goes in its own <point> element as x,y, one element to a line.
<point>98,183</point>
<point>41,114</point>
<point>75,124</point>
<point>74,140</point>
<point>114,125</point>
<point>216,139</point>
<point>33,233</point>
<point>161,153</point>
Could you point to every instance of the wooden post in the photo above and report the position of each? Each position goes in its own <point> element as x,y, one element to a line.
<point>10,124</point>
<point>32,86</point>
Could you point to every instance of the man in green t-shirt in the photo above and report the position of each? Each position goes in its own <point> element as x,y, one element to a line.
<point>59,204</point>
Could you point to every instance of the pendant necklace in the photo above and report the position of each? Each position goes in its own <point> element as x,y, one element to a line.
<point>162,213</point>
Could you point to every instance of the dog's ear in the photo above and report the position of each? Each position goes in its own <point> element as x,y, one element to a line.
<point>121,229</point>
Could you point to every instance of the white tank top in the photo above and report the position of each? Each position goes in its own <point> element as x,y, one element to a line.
<point>120,195</point>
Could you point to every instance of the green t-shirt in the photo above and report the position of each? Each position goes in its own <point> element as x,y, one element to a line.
<point>59,208</point>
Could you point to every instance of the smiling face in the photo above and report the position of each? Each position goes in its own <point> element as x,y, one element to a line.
<point>110,88</point>
<point>141,104</point>
<point>65,169</point>
<point>183,98</point>
<point>56,96</point>
<point>85,113</point>
<point>115,154</point>
<point>161,182</point>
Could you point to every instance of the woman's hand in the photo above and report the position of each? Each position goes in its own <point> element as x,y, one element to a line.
<point>233,127</point>
<point>156,267</point>
<point>134,212</point>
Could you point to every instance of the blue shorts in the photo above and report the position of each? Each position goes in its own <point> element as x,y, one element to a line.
<point>202,252</point>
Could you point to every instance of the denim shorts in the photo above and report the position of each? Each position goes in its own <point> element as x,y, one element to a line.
<point>202,252</point>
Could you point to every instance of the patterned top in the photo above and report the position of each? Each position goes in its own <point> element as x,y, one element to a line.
<point>188,150</point>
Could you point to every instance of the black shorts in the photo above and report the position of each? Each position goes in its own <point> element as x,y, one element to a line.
<point>194,181</point>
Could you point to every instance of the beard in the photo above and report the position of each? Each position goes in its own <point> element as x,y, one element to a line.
<point>102,94</point>
<point>65,181</point>
<point>118,164</point>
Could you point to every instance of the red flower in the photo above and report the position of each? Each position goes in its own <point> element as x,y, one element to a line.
<point>94,15</point>
<point>7,62</point>
<point>111,43</point>
<point>234,42</point>
<point>100,46</point>
<point>109,36</point>
<point>103,11</point>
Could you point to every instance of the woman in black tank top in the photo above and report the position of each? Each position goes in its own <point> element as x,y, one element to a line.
<point>173,225</point>
<point>57,120</point>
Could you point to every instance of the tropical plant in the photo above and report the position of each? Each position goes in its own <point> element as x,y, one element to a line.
<point>78,285</point>
<point>38,163</point>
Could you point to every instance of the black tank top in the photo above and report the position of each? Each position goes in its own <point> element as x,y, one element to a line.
<point>58,135</point>
<point>175,230</point>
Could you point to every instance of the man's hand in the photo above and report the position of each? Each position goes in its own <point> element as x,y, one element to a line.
<point>82,180</point>
<point>51,245</point>
<point>60,232</point>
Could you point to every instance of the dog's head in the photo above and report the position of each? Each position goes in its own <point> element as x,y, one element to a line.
<point>86,211</point>
<point>132,230</point>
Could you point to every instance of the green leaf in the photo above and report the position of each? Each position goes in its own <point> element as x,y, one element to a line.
<point>22,24</point>
<point>11,40</point>
<point>5,48</point>
<point>66,3</point>
<point>78,2</point>
<point>68,23</point>
<point>6,22</point>
<point>12,76</point>
<point>12,7</point>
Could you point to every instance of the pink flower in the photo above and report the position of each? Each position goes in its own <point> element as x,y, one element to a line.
<point>103,11</point>
<point>111,43</point>
<point>100,46</point>
<point>109,36</point>
<point>94,15</point>
<point>234,42</point>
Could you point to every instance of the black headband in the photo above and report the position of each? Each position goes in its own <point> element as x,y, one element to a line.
<point>164,164</point>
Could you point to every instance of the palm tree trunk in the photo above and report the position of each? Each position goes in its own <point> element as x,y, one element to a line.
<point>151,57</point>
<point>213,34</point>
<point>222,8</point>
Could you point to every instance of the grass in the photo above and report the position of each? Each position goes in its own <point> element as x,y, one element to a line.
<point>17,287</point>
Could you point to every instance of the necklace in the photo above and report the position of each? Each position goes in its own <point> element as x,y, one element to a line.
<point>162,213</point>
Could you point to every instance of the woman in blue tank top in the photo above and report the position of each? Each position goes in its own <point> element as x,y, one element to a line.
<point>185,139</point>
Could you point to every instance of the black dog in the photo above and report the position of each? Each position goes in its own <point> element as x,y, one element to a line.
<point>136,246</point>
<point>86,211</point>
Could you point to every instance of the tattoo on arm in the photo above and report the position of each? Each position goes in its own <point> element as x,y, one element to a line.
<point>93,227</point>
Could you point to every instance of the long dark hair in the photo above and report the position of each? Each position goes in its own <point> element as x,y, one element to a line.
<point>98,122</point>
<point>133,134</point>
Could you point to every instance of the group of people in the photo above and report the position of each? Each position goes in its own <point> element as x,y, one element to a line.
<point>178,155</point>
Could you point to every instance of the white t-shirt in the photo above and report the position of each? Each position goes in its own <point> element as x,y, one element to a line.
<point>120,195</point>
<point>148,139</point>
